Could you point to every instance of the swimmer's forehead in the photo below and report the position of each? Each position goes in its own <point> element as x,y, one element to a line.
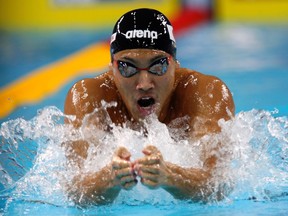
<point>140,53</point>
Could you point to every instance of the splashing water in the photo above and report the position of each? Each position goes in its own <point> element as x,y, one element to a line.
<point>34,167</point>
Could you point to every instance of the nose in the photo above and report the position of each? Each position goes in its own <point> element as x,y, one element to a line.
<point>144,81</point>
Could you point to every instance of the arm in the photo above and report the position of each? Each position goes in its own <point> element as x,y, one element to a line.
<point>206,102</point>
<point>103,186</point>
<point>181,183</point>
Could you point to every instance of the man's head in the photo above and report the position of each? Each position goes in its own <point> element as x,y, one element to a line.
<point>143,54</point>
<point>143,28</point>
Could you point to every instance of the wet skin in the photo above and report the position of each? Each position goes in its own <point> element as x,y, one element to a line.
<point>178,93</point>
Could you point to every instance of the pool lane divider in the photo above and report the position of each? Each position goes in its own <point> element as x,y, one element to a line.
<point>36,85</point>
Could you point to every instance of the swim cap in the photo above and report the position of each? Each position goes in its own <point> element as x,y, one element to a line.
<point>143,28</point>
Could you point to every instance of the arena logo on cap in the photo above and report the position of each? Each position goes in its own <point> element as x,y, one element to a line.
<point>141,34</point>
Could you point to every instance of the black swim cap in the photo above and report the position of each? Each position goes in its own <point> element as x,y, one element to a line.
<point>143,28</point>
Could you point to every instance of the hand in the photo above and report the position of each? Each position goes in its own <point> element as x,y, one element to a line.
<point>122,169</point>
<point>151,168</point>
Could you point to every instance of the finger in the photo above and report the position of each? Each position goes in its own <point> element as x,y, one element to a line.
<point>127,179</point>
<point>124,172</point>
<point>129,185</point>
<point>153,169</point>
<point>150,150</point>
<point>120,164</point>
<point>149,176</point>
<point>149,183</point>
<point>149,160</point>
<point>123,153</point>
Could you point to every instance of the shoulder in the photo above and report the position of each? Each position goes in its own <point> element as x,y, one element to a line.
<point>191,78</point>
<point>85,95</point>
<point>101,83</point>
<point>207,94</point>
<point>194,83</point>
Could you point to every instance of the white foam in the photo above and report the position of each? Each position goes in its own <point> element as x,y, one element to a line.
<point>255,158</point>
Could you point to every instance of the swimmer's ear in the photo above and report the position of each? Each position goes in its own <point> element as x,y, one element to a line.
<point>110,66</point>
<point>177,64</point>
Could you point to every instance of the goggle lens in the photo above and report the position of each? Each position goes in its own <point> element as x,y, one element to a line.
<point>159,67</point>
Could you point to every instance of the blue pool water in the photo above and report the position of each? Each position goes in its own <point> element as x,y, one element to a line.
<point>252,60</point>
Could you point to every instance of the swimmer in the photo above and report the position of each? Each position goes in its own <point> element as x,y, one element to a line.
<point>145,78</point>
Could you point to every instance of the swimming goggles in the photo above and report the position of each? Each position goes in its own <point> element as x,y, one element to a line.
<point>159,67</point>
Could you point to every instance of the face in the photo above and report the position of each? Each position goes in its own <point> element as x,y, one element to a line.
<point>145,92</point>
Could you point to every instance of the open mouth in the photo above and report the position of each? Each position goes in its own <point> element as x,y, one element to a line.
<point>146,102</point>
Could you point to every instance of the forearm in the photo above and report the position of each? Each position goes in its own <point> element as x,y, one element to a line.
<point>187,183</point>
<point>95,188</point>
